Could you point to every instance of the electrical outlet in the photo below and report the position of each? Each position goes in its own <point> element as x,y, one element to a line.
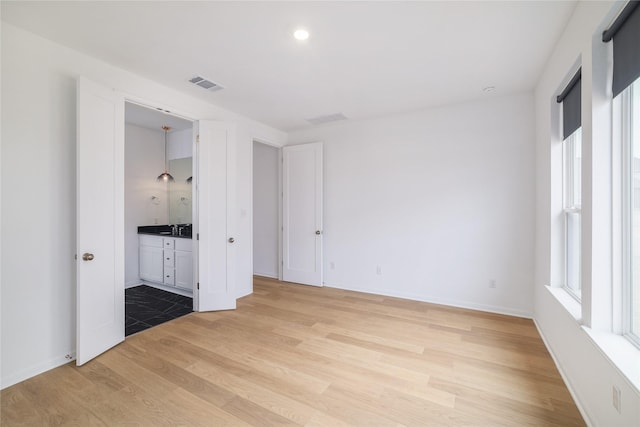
<point>492,283</point>
<point>616,399</point>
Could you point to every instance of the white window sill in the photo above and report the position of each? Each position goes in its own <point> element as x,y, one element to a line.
<point>619,350</point>
<point>616,348</point>
<point>568,302</point>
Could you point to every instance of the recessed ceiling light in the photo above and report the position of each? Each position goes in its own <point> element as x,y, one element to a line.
<point>301,34</point>
<point>489,89</point>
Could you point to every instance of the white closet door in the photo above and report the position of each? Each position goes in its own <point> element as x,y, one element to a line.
<point>302,214</point>
<point>215,148</point>
<point>100,220</point>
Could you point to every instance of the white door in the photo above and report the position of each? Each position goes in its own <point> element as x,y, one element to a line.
<point>302,214</point>
<point>215,207</point>
<point>100,220</point>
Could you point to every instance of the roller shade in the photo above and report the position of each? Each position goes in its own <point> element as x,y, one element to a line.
<point>571,98</point>
<point>625,33</point>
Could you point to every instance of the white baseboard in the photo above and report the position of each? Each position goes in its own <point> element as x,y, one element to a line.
<point>570,387</point>
<point>133,284</point>
<point>442,301</point>
<point>267,275</point>
<point>37,369</point>
<point>171,289</point>
<point>244,294</point>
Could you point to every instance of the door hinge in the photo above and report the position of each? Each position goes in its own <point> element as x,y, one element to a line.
<point>198,285</point>
<point>75,257</point>
<point>197,138</point>
<point>197,236</point>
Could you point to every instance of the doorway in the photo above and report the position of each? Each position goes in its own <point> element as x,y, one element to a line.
<point>266,210</point>
<point>100,276</point>
<point>158,217</point>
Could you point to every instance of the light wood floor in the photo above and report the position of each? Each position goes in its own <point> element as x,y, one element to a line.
<point>299,355</point>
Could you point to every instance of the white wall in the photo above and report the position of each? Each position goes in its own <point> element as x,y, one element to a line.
<point>180,144</point>
<point>38,152</point>
<point>265,210</point>
<point>588,372</point>
<point>144,159</point>
<point>441,200</point>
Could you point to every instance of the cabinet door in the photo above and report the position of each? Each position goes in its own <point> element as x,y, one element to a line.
<point>184,269</point>
<point>151,263</point>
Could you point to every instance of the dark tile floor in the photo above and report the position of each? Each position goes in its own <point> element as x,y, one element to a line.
<point>146,307</point>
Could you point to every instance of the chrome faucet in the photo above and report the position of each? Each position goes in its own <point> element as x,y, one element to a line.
<point>174,229</point>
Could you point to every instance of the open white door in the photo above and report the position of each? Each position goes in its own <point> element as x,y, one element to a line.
<point>215,184</point>
<point>302,214</point>
<point>100,220</point>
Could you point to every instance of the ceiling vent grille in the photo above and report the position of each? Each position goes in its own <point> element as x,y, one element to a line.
<point>206,84</point>
<point>327,119</point>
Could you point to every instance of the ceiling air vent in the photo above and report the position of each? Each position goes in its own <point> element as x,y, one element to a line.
<point>326,119</point>
<point>205,83</point>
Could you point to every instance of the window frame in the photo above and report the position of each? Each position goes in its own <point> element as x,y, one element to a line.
<point>624,104</point>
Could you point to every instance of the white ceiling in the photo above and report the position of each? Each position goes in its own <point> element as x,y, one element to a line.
<point>363,59</point>
<point>153,119</point>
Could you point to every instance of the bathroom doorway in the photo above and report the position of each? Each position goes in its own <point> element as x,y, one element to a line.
<point>100,272</point>
<point>158,217</point>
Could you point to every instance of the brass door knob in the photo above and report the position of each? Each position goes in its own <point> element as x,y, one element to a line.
<point>87,257</point>
<point>231,240</point>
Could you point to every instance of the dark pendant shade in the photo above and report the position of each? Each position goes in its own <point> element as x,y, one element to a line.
<point>165,176</point>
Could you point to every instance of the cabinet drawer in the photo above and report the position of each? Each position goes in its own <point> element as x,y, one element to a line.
<point>168,277</point>
<point>152,241</point>
<point>168,258</point>
<point>169,243</point>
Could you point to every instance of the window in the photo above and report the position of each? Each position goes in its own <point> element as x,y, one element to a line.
<point>625,34</point>
<point>571,99</point>
<point>629,105</point>
<point>572,176</point>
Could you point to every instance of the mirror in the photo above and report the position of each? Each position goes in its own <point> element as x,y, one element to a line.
<point>180,196</point>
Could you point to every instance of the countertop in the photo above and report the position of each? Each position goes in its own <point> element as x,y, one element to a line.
<point>165,230</point>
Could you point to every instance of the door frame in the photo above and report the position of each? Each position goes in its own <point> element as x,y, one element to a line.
<point>164,109</point>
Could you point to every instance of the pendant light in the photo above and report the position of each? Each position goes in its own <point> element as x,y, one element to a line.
<point>165,176</point>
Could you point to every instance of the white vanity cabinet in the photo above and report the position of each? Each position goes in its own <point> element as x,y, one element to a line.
<point>166,260</point>
<point>150,258</point>
<point>183,262</point>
